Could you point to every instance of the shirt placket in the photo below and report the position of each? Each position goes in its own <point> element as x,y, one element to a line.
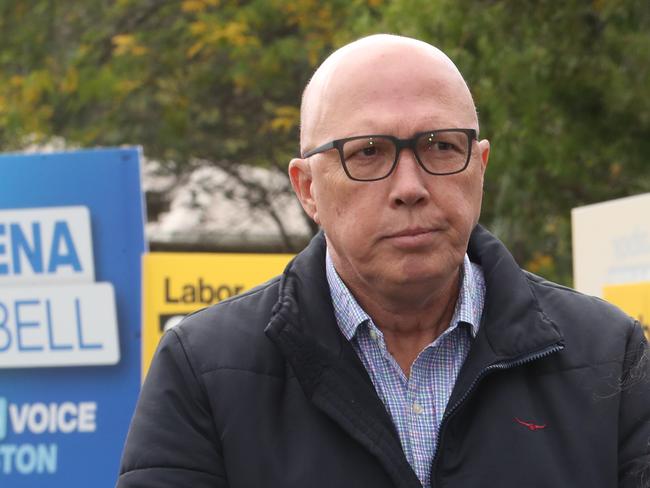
<point>444,369</point>
<point>423,413</point>
<point>393,388</point>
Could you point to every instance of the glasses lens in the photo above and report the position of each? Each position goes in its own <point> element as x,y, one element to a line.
<point>443,152</point>
<point>369,158</point>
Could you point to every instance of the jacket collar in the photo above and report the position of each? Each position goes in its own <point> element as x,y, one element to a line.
<point>514,327</point>
<point>515,323</point>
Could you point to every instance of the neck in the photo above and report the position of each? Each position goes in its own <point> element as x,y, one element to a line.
<point>410,320</point>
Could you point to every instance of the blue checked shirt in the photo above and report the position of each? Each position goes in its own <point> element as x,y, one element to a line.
<point>417,403</point>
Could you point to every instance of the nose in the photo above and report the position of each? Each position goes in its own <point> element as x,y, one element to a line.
<point>408,182</point>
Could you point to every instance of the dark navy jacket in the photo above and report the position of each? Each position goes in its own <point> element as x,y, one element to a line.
<point>263,391</point>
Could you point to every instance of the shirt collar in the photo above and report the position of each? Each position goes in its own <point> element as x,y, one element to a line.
<point>349,314</point>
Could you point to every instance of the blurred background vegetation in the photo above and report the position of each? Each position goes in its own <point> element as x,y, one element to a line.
<point>562,89</point>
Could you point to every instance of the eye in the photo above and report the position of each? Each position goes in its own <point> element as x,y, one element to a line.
<point>363,148</point>
<point>444,146</point>
<point>439,144</point>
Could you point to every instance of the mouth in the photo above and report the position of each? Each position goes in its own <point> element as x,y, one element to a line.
<point>413,237</point>
<point>412,232</point>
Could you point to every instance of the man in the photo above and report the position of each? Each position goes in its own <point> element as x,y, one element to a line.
<point>404,347</point>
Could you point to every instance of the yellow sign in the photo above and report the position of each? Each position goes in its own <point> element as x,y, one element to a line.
<point>176,284</point>
<point>633,299</point>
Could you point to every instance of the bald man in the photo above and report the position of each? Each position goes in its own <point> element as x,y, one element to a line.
<point>403,347</point>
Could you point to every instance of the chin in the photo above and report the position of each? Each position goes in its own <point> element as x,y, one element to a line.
<point>428,268</point>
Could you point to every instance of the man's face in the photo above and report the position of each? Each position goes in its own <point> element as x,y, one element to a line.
<point>412,228</point>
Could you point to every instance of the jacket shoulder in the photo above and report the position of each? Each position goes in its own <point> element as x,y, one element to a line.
<point>230,334</point>
<point>597,329</point>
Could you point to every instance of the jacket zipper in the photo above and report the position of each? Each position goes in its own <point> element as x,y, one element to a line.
<point>503,365</point>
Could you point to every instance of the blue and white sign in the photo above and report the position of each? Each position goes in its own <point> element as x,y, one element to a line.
<point>49,321</point>
<point>46,245</point>
<point>71,240</point>
<point>71,325</point>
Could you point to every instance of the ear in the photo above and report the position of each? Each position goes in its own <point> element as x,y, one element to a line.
<point>301,181</point>
<point>484,151</point>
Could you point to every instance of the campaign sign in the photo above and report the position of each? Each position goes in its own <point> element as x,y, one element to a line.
<point>176,284</point>
<point>71,240</point>
<point>611,243</point>
<point>633,299</point>
<point>46,245</point>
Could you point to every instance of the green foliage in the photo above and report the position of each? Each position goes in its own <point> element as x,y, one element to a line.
<point>563,95</point>
<point>562,89</point>
<point>190,80</point>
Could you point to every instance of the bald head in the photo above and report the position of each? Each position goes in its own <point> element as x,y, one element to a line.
<point>357,70</point>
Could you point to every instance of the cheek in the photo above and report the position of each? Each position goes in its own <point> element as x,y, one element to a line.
<point>348,215</point>
<point>462,202</point>
<point>474,202</point>
<point>350,221</point>
<point>331,200</point>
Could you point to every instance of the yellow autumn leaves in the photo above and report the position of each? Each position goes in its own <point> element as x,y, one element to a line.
<point>127,44</point>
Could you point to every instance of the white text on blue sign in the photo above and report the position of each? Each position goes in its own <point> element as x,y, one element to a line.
<point>43,245</point>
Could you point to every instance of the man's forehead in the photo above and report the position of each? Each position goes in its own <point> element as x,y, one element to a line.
<point>375,47</point>
<point>374,66</point>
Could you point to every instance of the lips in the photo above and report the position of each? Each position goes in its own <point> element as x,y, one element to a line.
<point>413,237</point>
<point>411,232</point>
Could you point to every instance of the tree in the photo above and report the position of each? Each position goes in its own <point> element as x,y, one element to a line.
<point>195,82</point>
<point>563,94</point>
<point>561,88</point>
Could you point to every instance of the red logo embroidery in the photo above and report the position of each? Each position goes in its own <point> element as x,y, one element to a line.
<point>530,425</point>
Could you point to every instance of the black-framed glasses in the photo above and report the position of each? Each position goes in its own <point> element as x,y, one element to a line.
<point>374,157</point>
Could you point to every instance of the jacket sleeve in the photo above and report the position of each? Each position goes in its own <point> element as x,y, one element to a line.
<point>634,421</point>
<point>172,441</point>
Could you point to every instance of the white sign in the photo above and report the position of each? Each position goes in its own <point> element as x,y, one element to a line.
<point>46,245</point>
<point>69,325</point>
<point>611,243</point>
<point>52,313</point>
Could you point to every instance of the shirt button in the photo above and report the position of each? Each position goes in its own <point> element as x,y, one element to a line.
<point>373,335</point>
<point>417,408</point>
